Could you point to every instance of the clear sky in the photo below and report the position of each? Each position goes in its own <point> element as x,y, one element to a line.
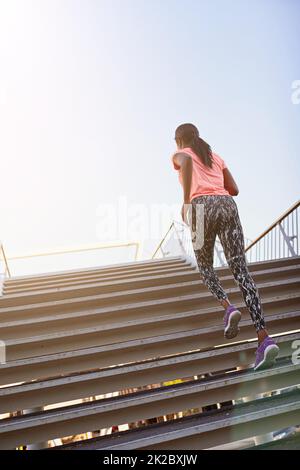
<point>91,92</point>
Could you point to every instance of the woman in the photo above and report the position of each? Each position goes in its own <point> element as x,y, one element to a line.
<point>206,180</point>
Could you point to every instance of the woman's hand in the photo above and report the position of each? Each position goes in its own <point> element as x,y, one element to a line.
<point>184,211</point>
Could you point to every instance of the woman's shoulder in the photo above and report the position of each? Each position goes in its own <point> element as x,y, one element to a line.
<point>186,150</point>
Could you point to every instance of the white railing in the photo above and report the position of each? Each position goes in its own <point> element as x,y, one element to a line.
<point>177,241</point>
<point>6,271</point>
<point>280,240</point>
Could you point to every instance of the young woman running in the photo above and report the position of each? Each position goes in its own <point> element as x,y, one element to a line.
<point>206,180</point>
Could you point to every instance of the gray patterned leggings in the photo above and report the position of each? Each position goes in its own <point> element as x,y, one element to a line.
<point>221,218</point>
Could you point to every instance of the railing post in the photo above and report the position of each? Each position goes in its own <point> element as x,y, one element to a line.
<point>179,240</point>
<point>287,239</point>
<point>3,259</point>
<point>161,242</point>
<point>219,255</point>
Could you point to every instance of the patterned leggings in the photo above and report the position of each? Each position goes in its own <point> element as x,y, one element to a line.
<point>221,218</point>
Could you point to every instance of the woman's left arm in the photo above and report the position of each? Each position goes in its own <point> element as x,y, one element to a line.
<point>185,164</point>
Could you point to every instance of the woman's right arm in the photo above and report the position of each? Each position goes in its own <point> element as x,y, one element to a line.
<point>229,183</point>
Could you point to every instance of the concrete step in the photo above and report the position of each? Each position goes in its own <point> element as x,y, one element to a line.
<point>98,279</point>
<point>80,333</point>
<point>190,280</point>
<point>107,269</point>
<point>288,443</point>
<point>145,404</point>
<point>265,264</point>
<point>143,340</point>
<point>65,382</point>
<point>158,295</point>
<point>124,271</point>
<point>204,430</point>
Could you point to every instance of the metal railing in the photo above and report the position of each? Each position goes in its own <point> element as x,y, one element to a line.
<point>177,241</point>
<point>4,268</point>
<point>280,240</point>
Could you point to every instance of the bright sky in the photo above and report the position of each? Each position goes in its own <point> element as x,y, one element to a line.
<point>91,92</point>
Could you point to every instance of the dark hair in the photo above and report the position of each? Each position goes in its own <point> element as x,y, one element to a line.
<point>190,136</point>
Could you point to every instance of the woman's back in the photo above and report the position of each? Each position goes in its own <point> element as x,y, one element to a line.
<point>205,180</point>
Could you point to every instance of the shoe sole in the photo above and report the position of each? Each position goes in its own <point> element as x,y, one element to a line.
<point>270,354</point>
<point>232,328</point>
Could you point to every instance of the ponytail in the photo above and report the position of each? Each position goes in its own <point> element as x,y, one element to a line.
<point>202,150</point>
<point>189,134</point>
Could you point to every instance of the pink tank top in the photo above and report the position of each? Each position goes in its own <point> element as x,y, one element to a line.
<point>205,180</point>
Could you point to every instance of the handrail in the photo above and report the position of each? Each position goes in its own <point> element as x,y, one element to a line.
<point>5,260</point>
<point>73,250</point>
<point>161,242</point>
<point>268,247</point>
<point>278,221</point>
<point>181,242</point>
